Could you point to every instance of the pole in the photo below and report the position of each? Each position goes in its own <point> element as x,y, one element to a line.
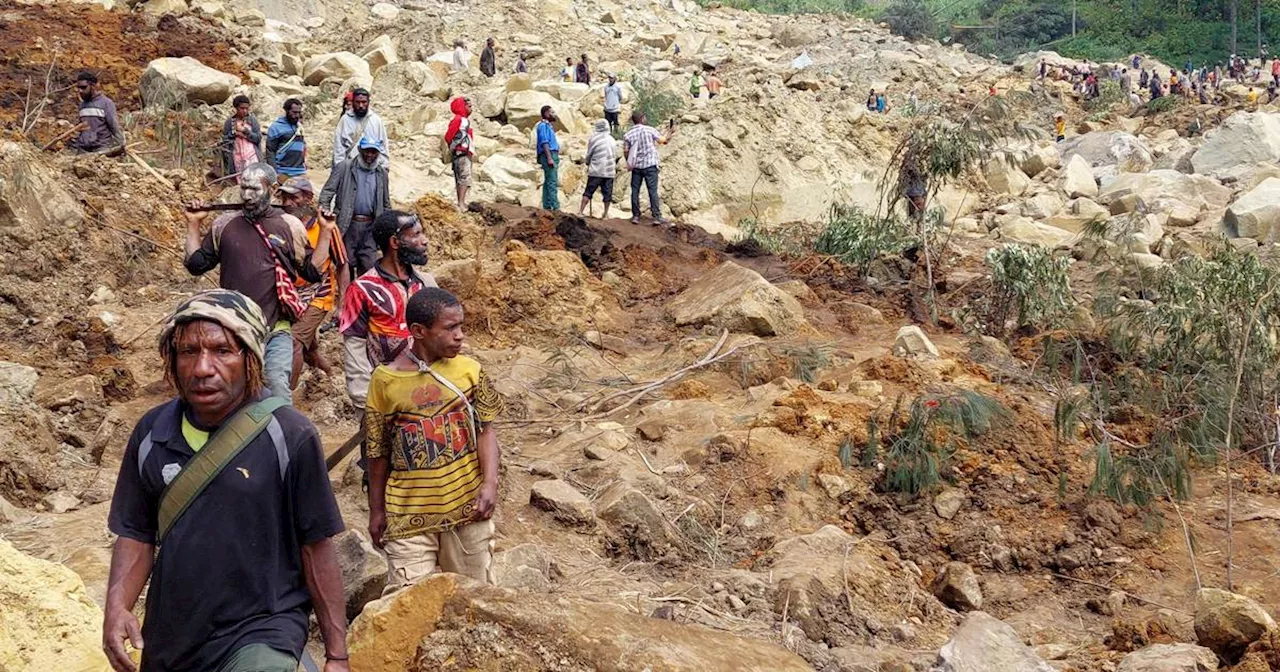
<point>1073,18</point>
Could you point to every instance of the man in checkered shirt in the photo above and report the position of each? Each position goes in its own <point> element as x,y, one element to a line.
<point>641,147</point>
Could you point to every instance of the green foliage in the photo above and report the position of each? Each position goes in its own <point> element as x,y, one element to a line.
<point>1029,288</point>
<point>1163,104</point>
<point>918,455</point>
<point>791,240</point>
<point>910,19</point>
<point>845,453</point>
<point>792,6</point>
<point>657,104</point>
<point>1141,476</point>
<point>1109,95</point>
<point>857,238</point>
<point>808,360</point>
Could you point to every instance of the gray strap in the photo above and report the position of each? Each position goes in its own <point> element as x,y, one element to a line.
<point>307,663</point>
<point>282,449</point>
<point>144,449</point>
<point>471,410</point>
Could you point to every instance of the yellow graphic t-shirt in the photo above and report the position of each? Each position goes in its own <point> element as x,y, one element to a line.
<point>425,430</point>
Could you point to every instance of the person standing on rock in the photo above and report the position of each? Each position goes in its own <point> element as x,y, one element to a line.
<point>696,84</point>
<point>568,73</point>
<point>1060,126</point>
<point>262,250</point>
<point>714,85</point>
<point>871,101</point>
<point>233,528</point>
<point>460,138</point>
<point>100,127</point>
<point>461,58</point>
<point>882,103</point>
<point>357,192</point>
<point>298,199</point>
<point>488,59</point>
<point>1126,81</point>
<point>548,150</point>
<point>357,125</point>
<point>286,145</point>
<point>582,73</point>
<point>521,67</point>
<point>1043,68</point>
<point>602,168</point>
<point>1143,79</point>
<point>612,102</point>
<point>433,451</point>
<point>640,144</point>
<point>241,138</point>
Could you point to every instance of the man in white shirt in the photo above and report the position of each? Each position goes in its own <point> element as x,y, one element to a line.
<point>356,124</point>
<point>612,102</point>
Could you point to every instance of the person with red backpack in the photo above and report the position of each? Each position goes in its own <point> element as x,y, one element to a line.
<point>460,138</point>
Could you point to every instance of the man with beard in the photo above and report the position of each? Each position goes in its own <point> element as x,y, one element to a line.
<point>286,144</point>
<point>262,251</point>
<point>357,125</point>
<point>298,197</point>
<point>358,191</point>
<point>242,519</point>
<point>372,319</point>
<point>101,130</point>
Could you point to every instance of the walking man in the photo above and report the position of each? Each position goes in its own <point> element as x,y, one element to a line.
<point>262,251</point>
<point>582,73</point>
<point>488,59</point>
<point>461,57</point>
<point>357,125</point>
<point>433,451</point>
<point>461,138</point>
<point>549,158</point>
<point>298,199</point>
<point>601,168</point>
<point>358,191</point>
<point>100,127</point>
<point>612,102</point>
<point>286,145</point>
<point>243,519</point>
<point>640,144</point>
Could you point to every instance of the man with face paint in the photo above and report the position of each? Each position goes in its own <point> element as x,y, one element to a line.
<point>262,251</point>
<point>356,125</point>
<point>357,191</point>
<point>238,570</point>
<point>97,117</point>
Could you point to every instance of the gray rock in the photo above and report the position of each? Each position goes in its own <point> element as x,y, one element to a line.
<point>563,501</point>
<point>1109,148</point>
<point>17,384</point>
<point>1228,623</point>
<point>1244,138</point>
<point>738,299</point>
<point>1256,213</point>
<point>169,82</point>
<point>983,643</point>
<point>957,586</point>
<point>525,567</point>
<point>363,570</point>
<point>912,341</point>
<point>639,528</point>
<point>1170,658</point>
<point>1077,178</point>
<point>948,502</point>
<point>61,501</point>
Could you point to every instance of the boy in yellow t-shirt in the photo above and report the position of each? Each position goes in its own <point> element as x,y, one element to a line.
<point>433,452</point>
<point>1060,126</point>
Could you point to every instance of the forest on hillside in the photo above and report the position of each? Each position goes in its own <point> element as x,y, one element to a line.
<point>1174,31</point>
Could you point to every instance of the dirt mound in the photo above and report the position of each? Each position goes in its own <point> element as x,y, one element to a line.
<point>50,623</point>
<point>451,235</point>
<point>53,41</point>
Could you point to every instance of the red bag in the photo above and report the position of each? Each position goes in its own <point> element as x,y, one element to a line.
<point>291,305</point>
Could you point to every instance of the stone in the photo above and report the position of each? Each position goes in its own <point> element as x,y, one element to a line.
<point>598,452</point>
<point>12,514</point>
<point>78,391</point>
<point>33,201</point>
<point>566,91</point>
<point>1109,148</point>
<point>642,530</point>
<point>338,65</point>
<point>738,299</point>
<point>249,17</point>
<point>17,385</point>
<point>867,389</point>
<point>50,622</point>
<point>804,80</point>
<point>1042,206</point>
<point>1228,623</point>
<point>564,502</point>
<point>413,77</point>
<point>983,643</point>
<point>1170,658</point>
<point>380,53</point>
<point>159,7</point>
<point>652,430</point>
<point>525,568</point>
<point>1146,260</point>
<point>833,485</point>
<point>1023,230</point>
<point>957,586</point>
<point>948,502</point>
<point>439,613</point>
<point>363,570</point>
<point>1256,213</point>
<point>658,40</point>
<point>384,11</point>
<point>524,107</point>
<point>168,82</point>
<point>1162,191</point>
<point>750,520</point>
<point>1244,138</point>
<point>489,103</point>
<point>279,86</point>
<point>508,172</point>
<point>1005,178</point>
<point>1077,178</point>
<point>61,501</point>
<point>911,341</point>
<point>1041,158</point>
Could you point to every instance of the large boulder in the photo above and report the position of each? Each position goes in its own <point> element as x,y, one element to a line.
<point>983,643</point>
<point>17,384</point>
<point>508,172</point>
<point>411,77</point>
<point>738,299</point>
<point>489,103</point>
<point>1170,658</point>
<point>563,501</point>
<point>659,39</point>
<point>362,568</point>
<point>524,107</point>
<point>1040,158</point>
<point>1110,148</point>
<point>338,65</point>
<point>50,623</point>
<point>957,586</point>
<point>1077,178</point>
<point>1256,214</point>
<point>1005,178</point>
<point>1182,196</point>
<point>33,200</point>
<point>171,81</point>
<point>1023,230</point>
<point>1245,138</point>
<point>639,528</point>
<point>445,617</point>
<point>566,91</point>
<point>1228,623</point>
<point>380,53</point>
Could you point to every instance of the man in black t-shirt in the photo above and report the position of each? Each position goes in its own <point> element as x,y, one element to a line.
<point>239,568</point>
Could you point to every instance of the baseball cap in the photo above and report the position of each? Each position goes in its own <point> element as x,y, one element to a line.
<point>297,185</point>
<point>368,143</point>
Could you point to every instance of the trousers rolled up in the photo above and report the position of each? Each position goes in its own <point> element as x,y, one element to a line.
<point>649,176</point>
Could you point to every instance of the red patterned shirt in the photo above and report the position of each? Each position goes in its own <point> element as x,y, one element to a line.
<point>373,309</point>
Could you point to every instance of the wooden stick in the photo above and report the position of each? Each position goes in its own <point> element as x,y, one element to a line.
<point>1123,592</point>
<point>63,136</point>
<point>147,167</point>
<point>149,327</point>
<point>648,386</point>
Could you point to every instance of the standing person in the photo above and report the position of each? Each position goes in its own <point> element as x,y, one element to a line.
<point>1275,71</point>
<point>1060,126</point>
<point>1252,97</point>
<point>261,250</point>
<point>612,102</point>
<point>582,73</point>
<point>358,191</point>
<point>713,85</point>
<point>640,144</point>
<point>548,149</point>
<point>101,129</point>
<point>298,199</point>
<point>241,138</point>
<point>233,529</point>
<point>568,73</point>
<point>433,452</point>
<point>1043,68</point>
<point>488,59</point>
<point>461,57</point>
<point>602,167</point>
<point>286,145</point>
<point>695,84</point>
<point>521,67</point>
<point>882,103</point>
<point>871,101</point>
<point>460,138</point>
<point>372,318</point>
<point>357,125</point>
<point>1126,81</point>
<point>1143,79</point>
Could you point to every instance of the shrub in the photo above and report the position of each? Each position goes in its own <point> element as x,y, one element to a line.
<point>657,105</point>
<point>917,456</point>
<point>857,238</point>
<point>1029,288</point>
<point>910,19</point>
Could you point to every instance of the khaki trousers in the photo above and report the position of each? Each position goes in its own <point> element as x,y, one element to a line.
<point>466,550</point>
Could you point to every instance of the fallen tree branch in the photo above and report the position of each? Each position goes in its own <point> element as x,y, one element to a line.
<point>1123,592</point>
<point>724,335</point>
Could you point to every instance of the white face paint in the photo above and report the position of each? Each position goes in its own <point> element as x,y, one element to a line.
<point>254,190</point>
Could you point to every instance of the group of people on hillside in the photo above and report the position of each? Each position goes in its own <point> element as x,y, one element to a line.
<point>1202,84</point>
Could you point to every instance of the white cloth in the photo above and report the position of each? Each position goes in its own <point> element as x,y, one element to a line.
<point>346,147</point>
<point>601,159</point>
<point>357,369</point>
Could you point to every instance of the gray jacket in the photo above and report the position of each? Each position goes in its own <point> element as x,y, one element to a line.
<point>339,193</point>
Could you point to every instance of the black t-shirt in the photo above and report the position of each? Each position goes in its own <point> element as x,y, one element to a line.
<point>229,573</point>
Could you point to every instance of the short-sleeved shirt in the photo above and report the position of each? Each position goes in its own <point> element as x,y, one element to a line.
<point>373,309</point>
<point>612,98</point>
<point>229,573</point>
<point>320,295</point>
<point>427,432</point>
<point>642,146</point>
<point>547,137</point>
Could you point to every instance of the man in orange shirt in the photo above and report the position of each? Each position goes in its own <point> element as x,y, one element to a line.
<point>298,198</point>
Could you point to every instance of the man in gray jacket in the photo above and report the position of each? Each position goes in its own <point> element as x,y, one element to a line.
<point>357,192</point>
<point>602,167</point>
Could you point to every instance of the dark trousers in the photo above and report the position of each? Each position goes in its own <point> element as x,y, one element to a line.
<point>650,178</point>
<point>612,118</point>
<point>361,251</point>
